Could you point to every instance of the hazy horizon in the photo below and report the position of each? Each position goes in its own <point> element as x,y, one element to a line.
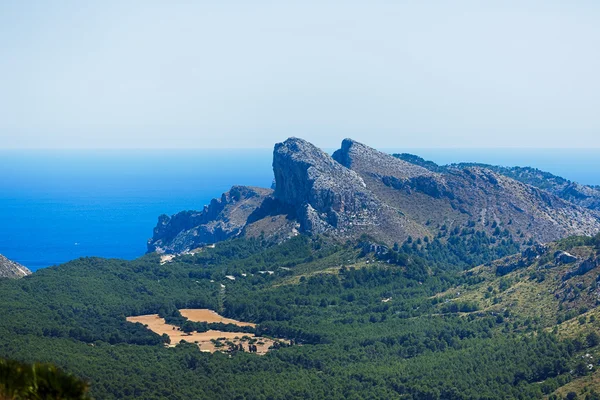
<point>270,148</point>
<point>238,75</point>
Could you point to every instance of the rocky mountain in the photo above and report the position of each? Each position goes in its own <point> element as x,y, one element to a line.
<point>220,220</point>
<point>11,269</point>
<point>326,196</point>
<point>360,190</point>
<point>582,195</point>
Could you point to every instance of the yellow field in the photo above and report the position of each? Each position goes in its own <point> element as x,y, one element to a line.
<point>205,340</point>
<point>206,315</point>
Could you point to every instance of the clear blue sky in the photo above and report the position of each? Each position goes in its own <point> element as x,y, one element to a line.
<point>393,74</point>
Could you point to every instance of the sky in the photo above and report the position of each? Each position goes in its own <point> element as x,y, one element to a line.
<point>237,74</point>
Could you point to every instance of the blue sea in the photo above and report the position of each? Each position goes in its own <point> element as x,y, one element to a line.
<point>58,205</point>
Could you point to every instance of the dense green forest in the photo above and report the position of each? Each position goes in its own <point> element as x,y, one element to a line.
<point>365,323</point>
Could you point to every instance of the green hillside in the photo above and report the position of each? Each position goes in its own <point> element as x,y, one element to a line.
<point>365,322</point>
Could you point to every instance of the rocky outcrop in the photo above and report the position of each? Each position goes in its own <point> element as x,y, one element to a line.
<point>324,194</point>
<point>360,190</point>
<point>534,252</point>
<point>583,268</point>
<point>220,220</point>
<point>562,257</point>
<point>581,195</point>
<point>11,269</point>
<point>527,257</point>
<point>330,197</point>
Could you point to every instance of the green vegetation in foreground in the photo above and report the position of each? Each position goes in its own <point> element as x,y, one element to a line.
<point>363,327</point>
<point>38,381</point>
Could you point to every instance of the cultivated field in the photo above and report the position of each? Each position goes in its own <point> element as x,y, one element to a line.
<point>206,315</point>
<point>209,341</point>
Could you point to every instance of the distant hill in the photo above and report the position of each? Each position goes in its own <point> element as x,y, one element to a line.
<point>11,269</point>
<point>582,195</point>
<point>362,191</point>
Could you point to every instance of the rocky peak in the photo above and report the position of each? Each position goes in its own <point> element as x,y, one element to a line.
<point>360,190</point>
<point>302,170</point>
<point>377,168</point>
<point>367,160</point>
<point>318,187</point>
<point>11,269</point>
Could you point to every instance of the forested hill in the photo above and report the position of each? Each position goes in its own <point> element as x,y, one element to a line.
<point>583,195</point>
<point>419,320</point>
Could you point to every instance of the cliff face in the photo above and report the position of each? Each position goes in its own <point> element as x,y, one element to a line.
<point>11,269</point>
<point>360,190</point>
<point>220,220</point>
<point>323,193</point>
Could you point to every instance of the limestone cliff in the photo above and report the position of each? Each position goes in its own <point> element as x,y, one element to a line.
<point>360,190</point>
<point>11,269</point>
<point>222,219</point>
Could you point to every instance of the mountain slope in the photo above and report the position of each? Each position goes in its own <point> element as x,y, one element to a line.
<point>328,197</point>
<point>220,220</point>
<point>360,190</point>
<point>582,195</point>
<point>455,197</point>
<point>550,282</point>
<point>11,269</point>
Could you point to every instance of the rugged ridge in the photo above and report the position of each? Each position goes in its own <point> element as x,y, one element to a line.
<point>364,159</point>
<point>582,195</point>
<point>329,197</point>
<point>470,195</point>
<point>220,220</point>
<point>360,190</point>
<point>324,194</point>
<point>11,269</point>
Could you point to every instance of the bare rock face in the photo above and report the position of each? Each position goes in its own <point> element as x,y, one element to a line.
<point>562,257</point>
<point>220,220</point>
<point>458,196</point>
<point>360,190</point>
<point>324,193</point>
<point>366,160</point>
<point>581,195</point>
<point>11,269</point>
<point>583,268</point>
<point>330,197</point>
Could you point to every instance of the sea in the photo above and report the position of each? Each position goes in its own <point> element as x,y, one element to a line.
<point>59,205</point>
